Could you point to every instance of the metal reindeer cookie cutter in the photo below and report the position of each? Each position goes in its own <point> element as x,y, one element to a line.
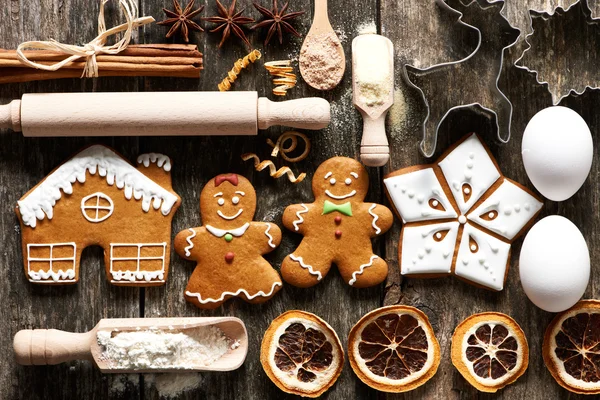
<point>556,64</point>
<point>494,36</point>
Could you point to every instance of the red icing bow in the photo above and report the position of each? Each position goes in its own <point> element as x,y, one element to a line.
<point>231,178</point>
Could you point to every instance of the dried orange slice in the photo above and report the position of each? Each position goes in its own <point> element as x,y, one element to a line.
<point>301,354</point>
<point>393,349</point>
<point>490,351</point>
<point>571,348</point>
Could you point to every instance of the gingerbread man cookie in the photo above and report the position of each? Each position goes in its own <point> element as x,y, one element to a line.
<point>228,249</point>
<point>337,228</point>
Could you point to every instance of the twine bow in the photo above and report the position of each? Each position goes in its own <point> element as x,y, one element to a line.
<point>93,48</point>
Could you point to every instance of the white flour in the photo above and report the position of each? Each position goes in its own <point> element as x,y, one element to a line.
<point>173,385</point>
<point>372,70</point>
<point>160,349</point>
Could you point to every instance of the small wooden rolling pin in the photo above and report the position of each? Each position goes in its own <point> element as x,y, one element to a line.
<point>158,114</point>
<point>51,346</point>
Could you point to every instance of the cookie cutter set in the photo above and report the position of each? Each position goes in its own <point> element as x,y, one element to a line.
<point>568,87</point>
<point>495,36</point>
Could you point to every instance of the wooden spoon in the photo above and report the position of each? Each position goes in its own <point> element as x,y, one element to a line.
<point>317,36</point>
<point>373,94</point>
<point>51,346</point>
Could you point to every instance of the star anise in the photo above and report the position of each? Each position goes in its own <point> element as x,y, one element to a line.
<point>181,19</point>
<point>230,20</point>
<point>278,21</point>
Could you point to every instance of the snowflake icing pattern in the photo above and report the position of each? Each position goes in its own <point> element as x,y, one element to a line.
<point>460,215</point>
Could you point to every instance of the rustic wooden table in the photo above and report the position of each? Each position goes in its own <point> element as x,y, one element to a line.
<point>422,36</point>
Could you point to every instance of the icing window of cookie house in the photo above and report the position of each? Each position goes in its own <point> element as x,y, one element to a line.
<point>51,261</point>
<point>137,262</point>
<point>97,207</point>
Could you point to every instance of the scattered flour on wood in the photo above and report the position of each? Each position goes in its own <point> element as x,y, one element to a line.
<point>159,349</point>
<point>120,382</point>
<point>399,116</point>
<point>171,386</point>
<point>343,114</point>
<point>367,27</point>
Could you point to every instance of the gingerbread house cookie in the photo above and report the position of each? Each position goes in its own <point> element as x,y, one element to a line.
<point>460,215</point>
<point>98,198</point>
<point>229,248</point>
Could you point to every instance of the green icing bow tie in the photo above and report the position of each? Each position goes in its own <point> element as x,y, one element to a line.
<point>330,207</point>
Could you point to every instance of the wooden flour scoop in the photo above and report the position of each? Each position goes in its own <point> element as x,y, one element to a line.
<point>51,346</point>
<point>373,93</point>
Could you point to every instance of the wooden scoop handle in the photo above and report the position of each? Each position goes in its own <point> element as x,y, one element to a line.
<point>51,346</point>
<point>374,147</point>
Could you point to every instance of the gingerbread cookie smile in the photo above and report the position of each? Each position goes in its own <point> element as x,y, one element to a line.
<point>333,181</point>
<point>228,249</point>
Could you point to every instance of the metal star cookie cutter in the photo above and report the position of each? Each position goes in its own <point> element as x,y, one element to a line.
<point>562,82</point>
<point>494,37</point>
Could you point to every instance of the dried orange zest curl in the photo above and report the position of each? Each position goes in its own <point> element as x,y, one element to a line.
<point>238,66</point>
<point>280,148</point>
<point>273,171</point>
<point>284,79</point>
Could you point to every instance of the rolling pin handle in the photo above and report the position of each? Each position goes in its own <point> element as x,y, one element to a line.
<point>10,116</point>
<point>309,113</point>
<point>51,346</point>
<point>374,147</point>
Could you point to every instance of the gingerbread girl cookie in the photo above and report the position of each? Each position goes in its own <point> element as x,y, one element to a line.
<point>337,228</point>
<point>229,247</point>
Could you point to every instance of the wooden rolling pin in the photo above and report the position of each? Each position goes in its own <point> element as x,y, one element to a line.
<point>158,114</point>
<point>51,346</point>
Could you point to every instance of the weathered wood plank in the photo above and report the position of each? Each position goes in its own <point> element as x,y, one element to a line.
<point>199,159</point>
<point>23,163</point>
<point>448,301</point>
<point>422,36</point>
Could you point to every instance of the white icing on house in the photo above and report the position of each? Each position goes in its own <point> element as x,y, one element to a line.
<point>470,164</point>
<point>409,192</point>
<point>161,160</point>
<point>100,160</point>
<point>514,209</point>
<point>34,264</point>
<point>487,265</point>
<point>92,202</point>
<point>424,251</point>
<point>137,253</point>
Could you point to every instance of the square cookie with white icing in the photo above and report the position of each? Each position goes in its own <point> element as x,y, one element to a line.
<point>460,215</point>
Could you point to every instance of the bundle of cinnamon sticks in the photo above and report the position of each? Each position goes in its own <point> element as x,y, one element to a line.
<point>174,60</point>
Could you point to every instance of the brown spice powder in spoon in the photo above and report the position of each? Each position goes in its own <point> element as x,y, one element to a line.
<point>321,62</point>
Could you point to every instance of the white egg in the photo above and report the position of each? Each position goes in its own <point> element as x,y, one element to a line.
<point>557,152</point>
<point>554,264</point>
